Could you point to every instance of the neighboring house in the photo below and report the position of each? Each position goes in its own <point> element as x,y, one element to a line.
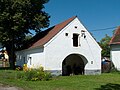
<point>66,48</point>
<point>4,58</point>
<point>115,48</point>
<point>4,55</point>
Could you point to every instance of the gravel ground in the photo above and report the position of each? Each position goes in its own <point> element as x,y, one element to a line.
<point>6,87</point>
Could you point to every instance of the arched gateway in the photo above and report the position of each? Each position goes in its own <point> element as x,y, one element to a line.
<point>73,64</point>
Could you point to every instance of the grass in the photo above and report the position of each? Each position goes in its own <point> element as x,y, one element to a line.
<point>106,81</point>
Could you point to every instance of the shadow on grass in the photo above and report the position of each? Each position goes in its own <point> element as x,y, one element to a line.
<point>109,86</point>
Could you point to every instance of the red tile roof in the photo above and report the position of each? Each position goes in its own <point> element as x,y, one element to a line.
<point>51,32</point>
<point>116,37</point>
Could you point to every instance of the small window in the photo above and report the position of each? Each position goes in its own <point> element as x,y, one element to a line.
<point>91,62</point>
<point>75,26</point>
<point>66,34</point>
<point>30,58</point>
<point>75,40</point>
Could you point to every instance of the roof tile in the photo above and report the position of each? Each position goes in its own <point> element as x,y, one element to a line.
<point>51,32</point>
<point>116,37</point>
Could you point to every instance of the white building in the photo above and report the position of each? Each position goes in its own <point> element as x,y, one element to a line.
<point>115,49</point>
<point>64,49</point>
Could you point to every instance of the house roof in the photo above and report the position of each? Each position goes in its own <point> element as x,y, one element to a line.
<point>47,35</point>
<point>116,37</point>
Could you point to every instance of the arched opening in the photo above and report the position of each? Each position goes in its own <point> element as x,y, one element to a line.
<point>73,64</point>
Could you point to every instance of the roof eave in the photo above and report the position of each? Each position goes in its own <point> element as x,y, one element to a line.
<point>115,43</point>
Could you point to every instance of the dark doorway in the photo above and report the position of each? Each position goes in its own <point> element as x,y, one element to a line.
<point>73,64</point>
<point>75,40</point>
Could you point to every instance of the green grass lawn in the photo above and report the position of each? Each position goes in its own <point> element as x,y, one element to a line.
<point>107,81</point>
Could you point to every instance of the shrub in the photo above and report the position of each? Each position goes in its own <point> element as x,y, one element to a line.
<point>47,76</point>
<point>25,68</point>
<point>18,68</point>
<point>34,74</point>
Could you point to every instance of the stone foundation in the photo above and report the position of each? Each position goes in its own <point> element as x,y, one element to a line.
<point>92,72</point>
<point>55,72</point>
<point>87,72</point>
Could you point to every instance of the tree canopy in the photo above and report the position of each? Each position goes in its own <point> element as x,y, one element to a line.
<point>18,18</point>
<point>104,43</point>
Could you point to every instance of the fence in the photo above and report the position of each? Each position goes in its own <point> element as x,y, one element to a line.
<point>106,66</point>
<point>4,63</point>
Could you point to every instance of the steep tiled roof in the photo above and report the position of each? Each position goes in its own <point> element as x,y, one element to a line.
<point>116,37</point>
<point>48,34</point>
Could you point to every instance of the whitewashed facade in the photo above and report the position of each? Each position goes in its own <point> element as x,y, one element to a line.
<point>115,56</point>
<point>60,51</point>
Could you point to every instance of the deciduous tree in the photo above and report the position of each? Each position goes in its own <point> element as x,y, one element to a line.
<point>104,43</point>
<point>18,18</point>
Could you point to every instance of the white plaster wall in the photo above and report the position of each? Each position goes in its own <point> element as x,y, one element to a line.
<point>59,47</point>
<point>115,56</point>
<point>36,54</point>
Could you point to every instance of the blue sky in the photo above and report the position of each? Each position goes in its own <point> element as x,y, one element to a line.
<point>94,14</point>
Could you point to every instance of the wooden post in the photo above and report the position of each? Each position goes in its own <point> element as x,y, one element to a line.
<point>4,63</point>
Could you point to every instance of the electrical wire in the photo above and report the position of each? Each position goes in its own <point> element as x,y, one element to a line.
<point>103,29</point>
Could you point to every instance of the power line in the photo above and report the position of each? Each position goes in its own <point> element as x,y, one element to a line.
<point>103,29</point>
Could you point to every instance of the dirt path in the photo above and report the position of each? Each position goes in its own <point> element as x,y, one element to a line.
<point>6,87</point>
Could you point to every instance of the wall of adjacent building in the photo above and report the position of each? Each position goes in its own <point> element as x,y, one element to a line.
<point>34,58</point>
<point>115,55</point>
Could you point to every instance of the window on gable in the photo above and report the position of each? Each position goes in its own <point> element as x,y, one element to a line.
<point>66,34</point>
<point>75,40</point>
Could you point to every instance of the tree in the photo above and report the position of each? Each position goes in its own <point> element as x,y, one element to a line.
<point>104,43</point>
<point>17,19</point>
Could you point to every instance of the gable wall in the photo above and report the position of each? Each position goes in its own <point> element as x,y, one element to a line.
<point>59,47</point>
<point>115,55</point>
